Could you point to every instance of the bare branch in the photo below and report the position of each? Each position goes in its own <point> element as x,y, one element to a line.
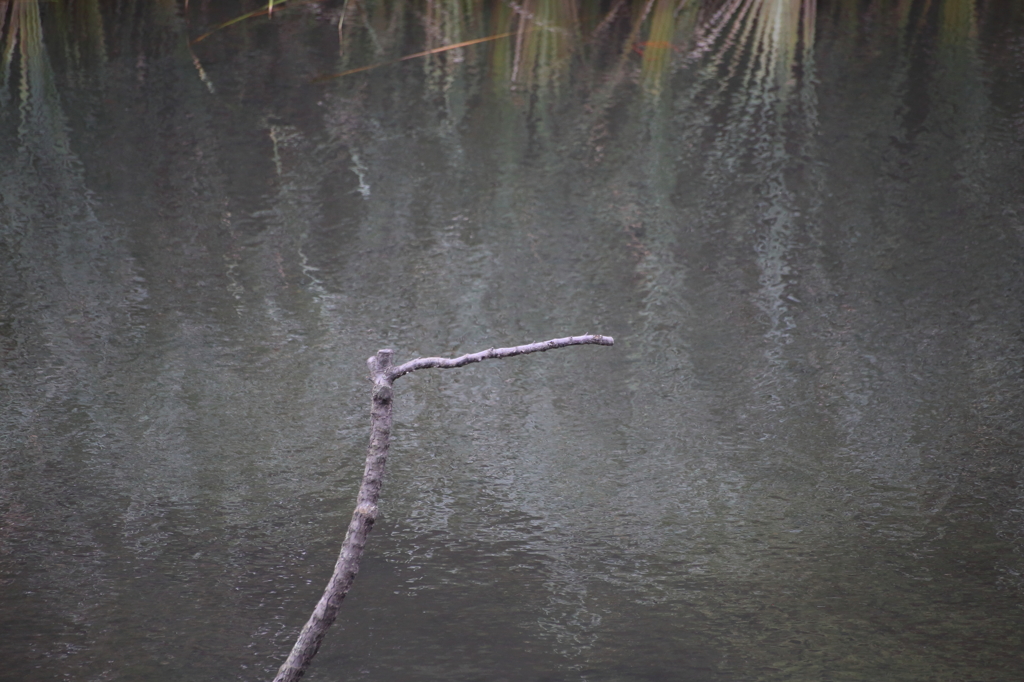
<point>383,375</point>
<point>451,363</point>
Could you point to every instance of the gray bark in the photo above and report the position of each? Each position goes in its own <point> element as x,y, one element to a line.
<point>383,375</point>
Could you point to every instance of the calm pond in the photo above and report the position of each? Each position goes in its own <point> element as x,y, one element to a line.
<point>803,223</point>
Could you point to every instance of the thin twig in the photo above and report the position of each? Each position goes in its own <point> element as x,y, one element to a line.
<point>450,363</point>
<point>425,53</point>
<point>255,13</point>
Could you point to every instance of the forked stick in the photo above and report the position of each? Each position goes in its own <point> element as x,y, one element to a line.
<point>383,375</point>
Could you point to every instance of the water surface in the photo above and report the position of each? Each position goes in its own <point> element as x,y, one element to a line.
<point>802,459</point>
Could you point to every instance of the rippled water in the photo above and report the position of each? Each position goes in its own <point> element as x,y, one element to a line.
<point>802,459</point>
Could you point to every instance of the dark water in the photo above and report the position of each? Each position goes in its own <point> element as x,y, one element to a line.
<point>802,460</point>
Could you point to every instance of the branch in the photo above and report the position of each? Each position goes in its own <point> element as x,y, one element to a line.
<point>383,376</point>
<point>450,363</point>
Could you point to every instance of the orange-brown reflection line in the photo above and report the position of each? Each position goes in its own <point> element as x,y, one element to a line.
<point>271,4</point>
<point>425,53</point>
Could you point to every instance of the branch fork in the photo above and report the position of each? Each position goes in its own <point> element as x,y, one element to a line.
<point>383,375</point>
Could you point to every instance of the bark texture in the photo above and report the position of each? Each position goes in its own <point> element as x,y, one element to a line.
<point>449,363</point>
<point>383,375</point>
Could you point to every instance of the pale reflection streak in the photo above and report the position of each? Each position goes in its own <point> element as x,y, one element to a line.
<point>774,105</point>
<point>70,291</point>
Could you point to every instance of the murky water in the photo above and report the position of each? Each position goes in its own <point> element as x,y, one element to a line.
<point>802,459</point>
